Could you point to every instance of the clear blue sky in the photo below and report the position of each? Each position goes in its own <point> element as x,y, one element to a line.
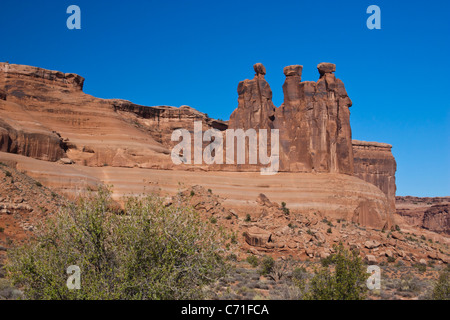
<point>194,53</point>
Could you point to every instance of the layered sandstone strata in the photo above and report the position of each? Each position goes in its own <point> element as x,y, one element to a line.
<point>374,163</point>
<point>425,212</point>
<point>42,76</point>
<point>47,116</point>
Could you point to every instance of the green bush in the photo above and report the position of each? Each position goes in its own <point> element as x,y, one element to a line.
<point>253,261</point>
<point>421,267</point>
<point>346,282</point>
<point>266,265</point>
<point>149,252</point>
<point>284,208</point>
<point>8,174</point>
<point>441,289</point>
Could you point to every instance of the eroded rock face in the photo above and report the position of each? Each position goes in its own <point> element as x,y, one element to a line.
<point>314,120</point>
<point>437,218</point>
<point>96,132</point>
<point>29,73</point>
<point>2,94</point>
<point>431,213</point>
<point>43,145</point>
<point>374,163</point>
<point>314,123</point>
<point>315,132</point>
<point>255,107</point>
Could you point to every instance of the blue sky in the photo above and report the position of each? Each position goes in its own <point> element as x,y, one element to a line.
<point>194,53</point>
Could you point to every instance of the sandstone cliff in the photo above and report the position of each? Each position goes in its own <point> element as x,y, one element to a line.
<point>45,115</point>
<point>374,163</point>
<point>425,212</point>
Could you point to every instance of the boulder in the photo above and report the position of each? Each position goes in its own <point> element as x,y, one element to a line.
<point>257,237</point>
<point>371,259</point>
<point>326,67</point>
<point>371,244</point>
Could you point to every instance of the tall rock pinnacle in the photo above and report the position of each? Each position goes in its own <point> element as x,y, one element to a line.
<point>255,107</point>
<point>314,120</point>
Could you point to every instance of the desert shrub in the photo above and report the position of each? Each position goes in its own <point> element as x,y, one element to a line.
<point>266,265</point>
<point>441,289</point>
<point>232,257</point>
<point>38,184</point>
<point>408,283</point>
<point>253,261</point>
<point>325,262</point>
<point>248,218</point>
<point>8,174</point>
<point>284,208</point>
<point>298,273</point>
<point>149,252</point>
<point>421,267</point>
<point>391,259</point>
<point>233,238</point>
<point>346,282</point>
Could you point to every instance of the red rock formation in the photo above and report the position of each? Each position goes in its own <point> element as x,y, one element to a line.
<point>314,120</point>
<point>255,108</point>
<point>374,163</point>
<point>314,123</point>
<point>43,145</point>
<point>437,218</point>
<point>430,213</point>
<point>96,132</point>
<point>34,74</point>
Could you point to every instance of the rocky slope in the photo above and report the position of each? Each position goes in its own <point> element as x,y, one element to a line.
<point>281,231</point>
<point>24,204</point>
